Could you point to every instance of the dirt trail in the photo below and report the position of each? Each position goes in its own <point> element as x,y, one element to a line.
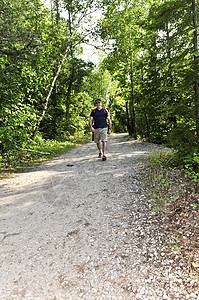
<point>75,228</point>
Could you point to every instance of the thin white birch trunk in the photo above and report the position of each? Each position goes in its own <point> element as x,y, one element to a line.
<point>52,85</point>
<point>196,59</point>
<point>107,96</point>
<point>84,14</point>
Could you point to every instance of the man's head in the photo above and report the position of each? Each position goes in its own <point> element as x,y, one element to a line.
<point>98,103</point>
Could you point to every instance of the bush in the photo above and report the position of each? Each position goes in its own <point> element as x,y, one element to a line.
<point>17,127</point>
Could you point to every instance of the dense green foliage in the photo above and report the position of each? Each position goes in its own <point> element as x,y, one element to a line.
<point>151,57</point>
<point>32,43</point>
<point>154,59</point>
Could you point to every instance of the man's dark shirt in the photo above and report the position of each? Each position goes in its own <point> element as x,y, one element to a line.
<point>99,118</point>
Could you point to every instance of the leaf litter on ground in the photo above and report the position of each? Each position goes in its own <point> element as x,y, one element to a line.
<point>175,219</point>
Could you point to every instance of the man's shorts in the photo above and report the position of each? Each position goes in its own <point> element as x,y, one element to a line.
<point>100,135</point>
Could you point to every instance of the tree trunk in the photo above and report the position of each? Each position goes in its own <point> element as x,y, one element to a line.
<point>54,80</point>
<point>112,100</point>
<point>196,48</point>
<point>57,12</point>
<point>147,122</point>
<point>172,121</point>
<point>68,98</point>
<point>132,108</point>
<point>85,13</point>
<point>55,6</point>
<point>51,88</point>
<point>144,100</point>
<point>128,119</point>
<point>107,97</point>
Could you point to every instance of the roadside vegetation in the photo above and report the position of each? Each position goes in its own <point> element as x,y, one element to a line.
<point>172,193</point>
<point>36,152</point>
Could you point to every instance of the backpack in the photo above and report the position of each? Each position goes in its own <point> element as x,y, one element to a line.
<point>105,113</point>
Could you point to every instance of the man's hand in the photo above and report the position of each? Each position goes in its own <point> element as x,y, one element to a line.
<point>90,124</point>
<point>109,125</point>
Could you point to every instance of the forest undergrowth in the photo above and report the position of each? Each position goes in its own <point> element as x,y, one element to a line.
<point>174,197</point>
<point>36,152</point>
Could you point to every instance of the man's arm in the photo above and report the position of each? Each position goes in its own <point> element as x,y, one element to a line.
<point>90,124</point>
<point>109,124</point>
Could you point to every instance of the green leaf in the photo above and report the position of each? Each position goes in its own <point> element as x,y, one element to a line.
<point>196,53</point>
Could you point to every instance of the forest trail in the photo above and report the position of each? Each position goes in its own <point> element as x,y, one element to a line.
<point>78,228</point>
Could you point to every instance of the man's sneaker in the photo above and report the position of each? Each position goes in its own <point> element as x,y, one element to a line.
<point>103,157</point>
<point>100,155</point>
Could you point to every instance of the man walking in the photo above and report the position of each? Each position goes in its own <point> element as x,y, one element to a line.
<point>100,115</point>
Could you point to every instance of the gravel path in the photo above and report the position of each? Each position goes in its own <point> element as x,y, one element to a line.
<point>80,228</point>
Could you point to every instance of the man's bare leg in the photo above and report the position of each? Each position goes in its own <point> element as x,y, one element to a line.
<point>99,146</point>
<point>104,148</point>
